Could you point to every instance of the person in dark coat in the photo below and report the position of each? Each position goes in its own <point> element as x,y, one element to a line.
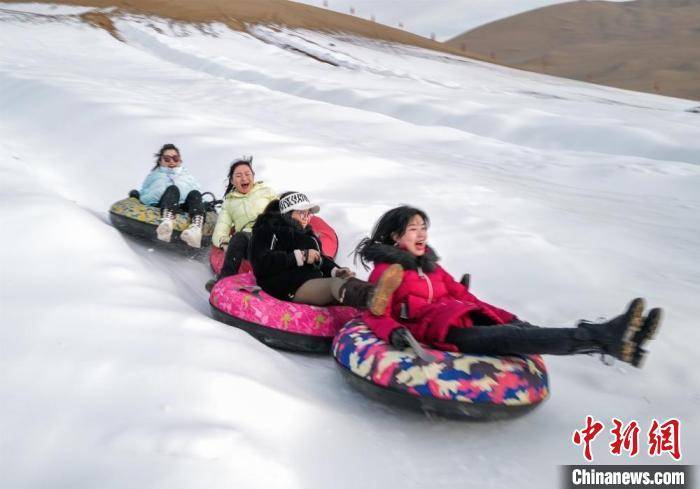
<point>431,307</point>
<point>289,264</point>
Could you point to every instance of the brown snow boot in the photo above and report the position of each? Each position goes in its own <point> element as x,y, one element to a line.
<point>385,288</point>
<point>375,297</point>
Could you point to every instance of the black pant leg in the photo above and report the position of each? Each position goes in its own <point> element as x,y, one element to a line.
<point>514,339</point>
<point>522,324</point>
<point>170,198</point>
<point>193,203</point>
<point>236,252</point>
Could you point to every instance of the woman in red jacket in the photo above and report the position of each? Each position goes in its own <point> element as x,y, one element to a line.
<point>435,309</point>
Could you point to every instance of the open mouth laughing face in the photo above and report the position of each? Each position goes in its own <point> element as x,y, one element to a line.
<point>242,179</point>
<point>415,237</point>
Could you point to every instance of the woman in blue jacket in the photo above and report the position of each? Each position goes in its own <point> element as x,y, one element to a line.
<point>172,188</point>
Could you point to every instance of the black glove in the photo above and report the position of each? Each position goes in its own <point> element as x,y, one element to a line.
<point>398,339</point>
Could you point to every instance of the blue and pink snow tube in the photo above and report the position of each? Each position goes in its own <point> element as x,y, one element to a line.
<point>476,387</point>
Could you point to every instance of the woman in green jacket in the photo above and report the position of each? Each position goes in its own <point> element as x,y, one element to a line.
<point>244,200</point>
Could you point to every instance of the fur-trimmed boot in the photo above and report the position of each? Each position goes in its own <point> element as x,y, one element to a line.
<point>193,234</point>
<point>618,337</point>
<point>648,331</point>
<point>164,231</point>
<point>364,295</point>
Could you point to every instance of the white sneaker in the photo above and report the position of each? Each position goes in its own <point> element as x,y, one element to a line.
<point>165,228</point>
<point>193,234</point>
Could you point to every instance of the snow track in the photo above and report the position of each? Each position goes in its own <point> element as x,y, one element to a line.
<point>412,100</point>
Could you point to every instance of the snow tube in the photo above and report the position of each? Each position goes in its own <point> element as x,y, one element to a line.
<point>132,217</point>
<point>216,261</point>
<point>325,233</point>
<point>327,236</point>
<point>455,385</point>
<point>236,301</point>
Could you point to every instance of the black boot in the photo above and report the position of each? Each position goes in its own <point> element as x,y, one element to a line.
<point>363,295</point>
<point>355,293</point>
<point>648,331</point>
<point>650,326</point>
<point>211,283</point>
<point>617,337</point>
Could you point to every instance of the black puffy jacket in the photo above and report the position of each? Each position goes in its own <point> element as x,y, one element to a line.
<point>275,237</point>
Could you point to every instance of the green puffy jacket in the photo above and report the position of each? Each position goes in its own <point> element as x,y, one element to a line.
<point>239,211</point>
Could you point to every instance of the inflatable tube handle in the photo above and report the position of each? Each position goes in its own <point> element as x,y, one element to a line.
<point>212,204</point>
<point>466,280</point>
<point>418,348</point>
<point>251,289</point>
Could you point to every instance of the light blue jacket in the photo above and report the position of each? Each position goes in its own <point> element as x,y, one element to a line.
<point>161,178</point>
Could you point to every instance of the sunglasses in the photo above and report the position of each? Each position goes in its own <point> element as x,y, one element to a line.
<point>168,159</point>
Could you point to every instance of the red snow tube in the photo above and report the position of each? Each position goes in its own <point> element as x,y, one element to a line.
<point>329,243</point>
<point>216,260</point>
<point>329,240</point>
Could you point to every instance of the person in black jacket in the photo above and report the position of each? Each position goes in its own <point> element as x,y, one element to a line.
<point>289,264</point>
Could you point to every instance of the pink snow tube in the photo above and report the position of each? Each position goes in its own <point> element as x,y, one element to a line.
<point>325,233</point>
<point>237,301</point>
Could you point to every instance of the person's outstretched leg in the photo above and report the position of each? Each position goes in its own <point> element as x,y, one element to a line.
<point>194,206</point>
<point>168,204</point>
<point>375,297</point>
<point>170,199</point>
<point>352,292</point>
<point>236,252</point>
<point>319,291</point>
<point>514,339</point>
<point>614,337</point>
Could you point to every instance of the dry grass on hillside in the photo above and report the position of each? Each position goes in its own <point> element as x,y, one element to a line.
<point>237,13</point>
<point>646,45</point>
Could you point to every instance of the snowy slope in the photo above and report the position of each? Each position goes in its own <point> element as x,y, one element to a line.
<point>445,19</point>
<point>563,200</point>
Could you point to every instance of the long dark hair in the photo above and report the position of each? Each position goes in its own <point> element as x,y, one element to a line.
<point>246,160</point>
<point>162,150</point>
<point>393,221</point>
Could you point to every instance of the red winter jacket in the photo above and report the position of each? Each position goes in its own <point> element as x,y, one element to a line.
<point>428,301</point>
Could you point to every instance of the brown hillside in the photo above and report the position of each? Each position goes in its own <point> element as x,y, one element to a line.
<point>237,13</point>
<point>647,45</point>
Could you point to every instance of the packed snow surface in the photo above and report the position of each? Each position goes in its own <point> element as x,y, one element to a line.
<point>563,200</point>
